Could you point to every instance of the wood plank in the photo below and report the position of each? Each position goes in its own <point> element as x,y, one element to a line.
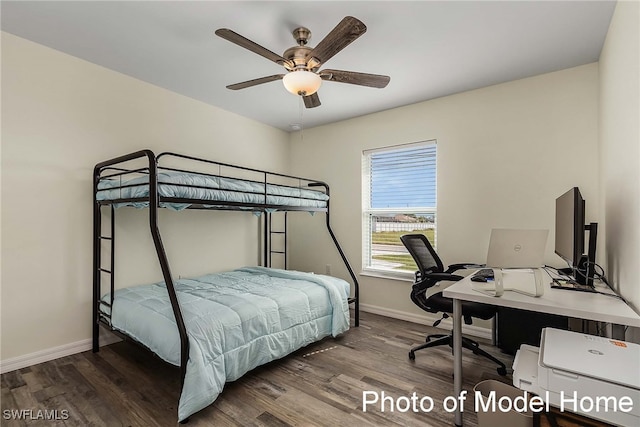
<point>125,398</point>
<point>89,401</point>
<point>13,379</point>
<point>9,404</point>
<point>268,419</point>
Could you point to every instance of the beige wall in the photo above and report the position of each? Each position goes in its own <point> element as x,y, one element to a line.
<point>505,153</point>
<point>620,149</point>
<point>62,115</point>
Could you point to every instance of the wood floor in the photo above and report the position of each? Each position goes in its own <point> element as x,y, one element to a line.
<point>319,385</point>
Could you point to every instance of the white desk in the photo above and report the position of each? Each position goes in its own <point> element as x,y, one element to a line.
<point>581,305</point>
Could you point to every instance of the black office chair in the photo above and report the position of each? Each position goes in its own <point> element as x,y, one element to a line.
<point>430,272</point>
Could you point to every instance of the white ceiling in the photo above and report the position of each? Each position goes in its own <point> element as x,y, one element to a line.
<point>429,48</point>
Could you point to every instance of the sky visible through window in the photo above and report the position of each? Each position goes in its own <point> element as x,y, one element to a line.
<point>404,178</point>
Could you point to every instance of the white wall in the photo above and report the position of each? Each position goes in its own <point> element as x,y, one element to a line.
<point>620,149</point>
<point>62,115</point>
<point>505,153</point>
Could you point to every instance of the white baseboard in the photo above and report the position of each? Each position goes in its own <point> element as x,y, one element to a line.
<point>46,355</point>
<point>426,319</point>
<point>107,338</point>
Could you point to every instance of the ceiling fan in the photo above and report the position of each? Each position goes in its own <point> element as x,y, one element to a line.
<point>302,62</point>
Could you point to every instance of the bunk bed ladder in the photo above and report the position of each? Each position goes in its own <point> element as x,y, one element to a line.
<point>282,233</point>
<point>99,238</point>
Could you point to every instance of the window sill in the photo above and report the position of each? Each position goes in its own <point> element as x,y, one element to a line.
<point>380,274</point>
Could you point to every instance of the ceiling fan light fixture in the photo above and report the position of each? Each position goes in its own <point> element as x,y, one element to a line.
<point>302,63</point>
<point>302,82</point>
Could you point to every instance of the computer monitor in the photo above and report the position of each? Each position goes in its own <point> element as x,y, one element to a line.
<point>570,232</point>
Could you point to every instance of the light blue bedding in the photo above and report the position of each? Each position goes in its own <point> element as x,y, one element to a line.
<point>220,189</point>
<point>236,321</point>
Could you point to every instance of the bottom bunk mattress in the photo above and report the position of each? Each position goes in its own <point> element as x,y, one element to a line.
<point>235,320</point>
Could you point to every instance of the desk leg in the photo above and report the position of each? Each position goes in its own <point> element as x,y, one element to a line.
<point>457,356</point>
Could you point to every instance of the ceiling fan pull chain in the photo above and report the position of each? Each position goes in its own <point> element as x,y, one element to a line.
<point>301,107</point>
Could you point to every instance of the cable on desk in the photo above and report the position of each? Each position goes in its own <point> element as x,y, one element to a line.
<point>599,276</point>
<point>596,275</point>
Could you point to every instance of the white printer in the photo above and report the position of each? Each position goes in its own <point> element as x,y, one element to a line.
<point>594,376</point>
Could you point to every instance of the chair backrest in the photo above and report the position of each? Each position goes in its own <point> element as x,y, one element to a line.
<point>423,253</point>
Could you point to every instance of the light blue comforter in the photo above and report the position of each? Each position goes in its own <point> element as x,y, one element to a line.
<point>216,188</point>
<point>236,321</point>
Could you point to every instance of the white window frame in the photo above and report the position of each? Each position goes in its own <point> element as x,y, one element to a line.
<point>368,212</point>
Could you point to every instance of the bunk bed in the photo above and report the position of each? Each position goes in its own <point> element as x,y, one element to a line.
<point>218,326</point>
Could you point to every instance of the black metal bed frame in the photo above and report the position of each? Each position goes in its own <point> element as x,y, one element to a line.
<point>154,200</point>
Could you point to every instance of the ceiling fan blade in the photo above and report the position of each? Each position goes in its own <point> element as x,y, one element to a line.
<point>311,101</point>
<point>341,36</point>
<point>255,82</point>
<point>351,77</point>
<point>236,38</point>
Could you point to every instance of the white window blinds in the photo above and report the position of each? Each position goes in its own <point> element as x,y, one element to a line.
<point>403,178</point>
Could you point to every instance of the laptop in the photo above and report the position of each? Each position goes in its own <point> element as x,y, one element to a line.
<point>512,248</point>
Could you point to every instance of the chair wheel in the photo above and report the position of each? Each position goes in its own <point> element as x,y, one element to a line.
<point>412,355</point>
<point>502,371</point>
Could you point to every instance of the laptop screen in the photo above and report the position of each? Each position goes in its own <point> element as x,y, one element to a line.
<point>512,248</point>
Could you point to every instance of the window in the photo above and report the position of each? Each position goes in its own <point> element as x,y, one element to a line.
<point>399,197</point>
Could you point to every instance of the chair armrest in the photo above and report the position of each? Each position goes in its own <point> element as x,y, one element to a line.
<point>455,267</point>
<point>437,277</point>
<point>429,280</point>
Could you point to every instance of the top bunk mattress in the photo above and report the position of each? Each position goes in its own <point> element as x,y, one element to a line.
<point>204,189</point>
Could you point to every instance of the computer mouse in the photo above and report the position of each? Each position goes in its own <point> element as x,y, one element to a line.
<point>478,279</point>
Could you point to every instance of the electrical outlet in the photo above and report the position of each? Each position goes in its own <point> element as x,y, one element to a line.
<point>327,269</point>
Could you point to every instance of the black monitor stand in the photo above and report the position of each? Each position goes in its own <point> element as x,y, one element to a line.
<point>586,267</point>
